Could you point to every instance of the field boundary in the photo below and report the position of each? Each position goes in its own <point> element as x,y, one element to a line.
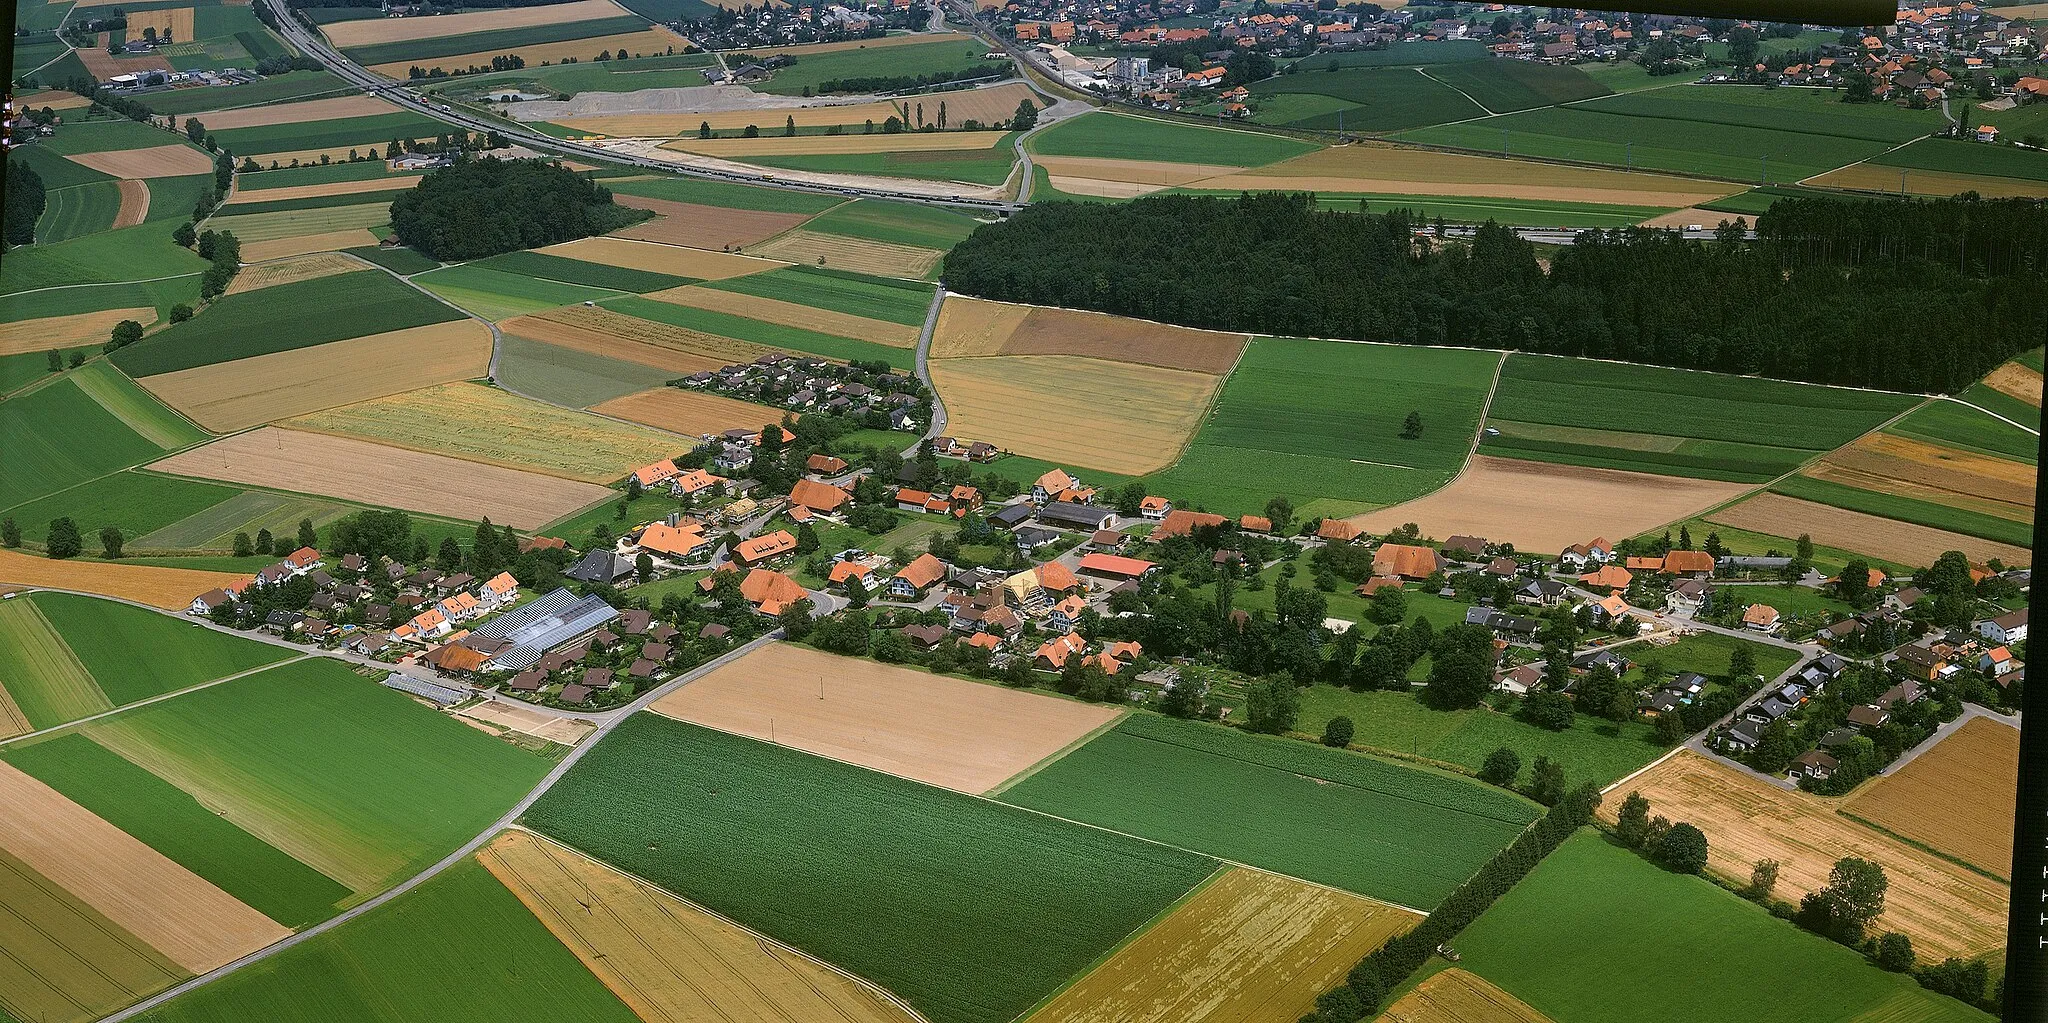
<point>67,726</point>
<point>1222,867</point>
<point>1056,755</point>
<point>1916,843</point>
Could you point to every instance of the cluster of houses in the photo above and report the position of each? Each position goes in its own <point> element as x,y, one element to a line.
<point>787,24</point>
<point>809,384</point>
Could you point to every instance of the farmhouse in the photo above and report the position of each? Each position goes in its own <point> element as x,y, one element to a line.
<point>771,592</point>
<point>765,547</point>
<point>825,465</point>
<point>553,620</point>
<point>819,498</point>
<point>1077,516</point>
<point>1612,577</point>
<point>1407,561</point>
<point>1688,597</point>
<point>1468,548</point>
<point>1114,566</point>
<point>600,566</point>
<point>1760,618</point>
<point>655,474</point>
<point>910,582</point>
<point>1698,564</point>
<point>1540,593</point>
<point>1337,531</point>
<point>1154,508</point>
<point>682,542</point>
<point>1181,522</point>
<point>693,482</point>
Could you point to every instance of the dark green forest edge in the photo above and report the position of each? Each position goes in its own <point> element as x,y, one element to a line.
<point>1920,296</point>
<point>482,207</point>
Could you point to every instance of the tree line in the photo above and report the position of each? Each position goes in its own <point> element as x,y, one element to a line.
<point>1912,295</point>
<point>482,207</point>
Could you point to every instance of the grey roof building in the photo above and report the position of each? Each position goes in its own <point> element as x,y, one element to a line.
<point>554,619</point>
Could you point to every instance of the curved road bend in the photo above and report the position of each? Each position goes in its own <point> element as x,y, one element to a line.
<point>924,348</point>
<point>468,848</point>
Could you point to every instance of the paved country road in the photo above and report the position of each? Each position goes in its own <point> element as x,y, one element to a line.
<point>468,848</point>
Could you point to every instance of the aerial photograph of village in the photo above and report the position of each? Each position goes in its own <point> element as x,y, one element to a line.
<point>1046,511</point>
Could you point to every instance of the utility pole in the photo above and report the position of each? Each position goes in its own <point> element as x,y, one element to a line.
<point>1503,143</point>
<point>1767,169</point>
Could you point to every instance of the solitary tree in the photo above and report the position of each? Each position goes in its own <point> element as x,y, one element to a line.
<point>1632,823</point>
<point>1501,768</point>
<point>704,129</point>
<point>1855,891</point>
<point>264,544</point>
<point>1026,117</point>
<point>243,546</point>
<point>1763,879</point>
<point>63,540</point>
<point>643,565</point>
<point>10,532</point>
<point>307,537</point>
<point>56,360</point>
<point>1683,849</point>
<point>110,542</point>
<point>789,127</point>
<point>1338,732</point>
<point>1411,427</point>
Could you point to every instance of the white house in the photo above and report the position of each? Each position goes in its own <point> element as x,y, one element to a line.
<point>2006,629</point>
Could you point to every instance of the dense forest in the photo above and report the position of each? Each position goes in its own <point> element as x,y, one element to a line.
<point>481,207</point>
<point>1913,296</point>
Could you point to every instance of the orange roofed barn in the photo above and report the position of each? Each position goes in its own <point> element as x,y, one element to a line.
<point>764,547</point>
<point>1406,561</point>
<point>822,498</point>
<point>1181,522</point>
<point>770,592</point>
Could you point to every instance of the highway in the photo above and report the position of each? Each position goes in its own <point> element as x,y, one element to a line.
<point>312,44</point>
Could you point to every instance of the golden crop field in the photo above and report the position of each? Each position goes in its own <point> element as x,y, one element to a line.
<point>175,24</point>
<point>373,474</point>
<point>266,227</point>
<point>1249,946</point>
<point>2018,381</point>
<point>1948,910</point>
<point>1902,542</point>
<point>885,259</point>
<point>333,108</point>
<point>658,258</point>
<point>1382,167</point>
<point>989,106</point>
<point>331,241</point>
<point>392,30</point>
<point>229,396</point>
<point>687,412</point>
<point>973,326</point>
<point>246,193</point>
<point>1119,417</point>
<point>764,52</point>
<point>1872,177</point>
<point>970,326</point>
<point>13,721</point>
<point>134,203</point>
<point>601,331</point>
<point>706,227</point>
<point>68,331</point>
<point>790,314</point>
<point>178,913</point>
<point>669,960</point>
<point>1892,464</point>
<point>76,965</point>
<point>168,588</point>
<point>1455,996</point>
<point>681,123</point>
<point>1155,173</point>
<point>155,162</point>
<point>647,42</point>
<point>495,427</point>
<point>291,270</point>
<point>54,99</point>
<point>1956,798</point>
<point>809,145</point>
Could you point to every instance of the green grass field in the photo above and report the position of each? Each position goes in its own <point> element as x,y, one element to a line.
<point>1709,653</point>
<point>575,271</point>
<point>1405,834</point>
<point>813,70</point>
<point>458,949</point>
<point>57,172</point>
<point>78,211</point>
<point>40,673</point>
<point>794,339</point>
<point>1956,157</point>
<point>1401,55</point>
<point>1808,111</point>
<point>105,136</point>
<point>1993,400</point>
<point>138,408</point>
<point>374,130</point>
<point>1322,419</point>
<point>989,166</point>
<point>507,40</point>
<point>18,371</point>
<point>1790,599</point>
<point>1906,509</point>
<point>1508,85</point>
<point>728,195</point>
<point>170,821</point>
<point>314,202</point>
<point>140,253</point>
<point>57,436</point>
<point>1600,907</point>
<point>396,260</point>
<point>572,378</point>
<point>1675,422</point>
<point>135,653</point>
<point>498,294</point>
<point>1945,422</point>
<point>136,503</point>
<point>657,72</point>
<point>245,511</point>
<point>173,199</point>
<point>842,291</point>
<point>1592,750</point>
<point>377,784</point>
<point>320,174</point>
<point>275,89</point>
<point>284,318</point>
<point>1359,99</point>
<point>1143,138</point>
<point>969,910</point>
<point>1758,200</point>
<point>896,223</point>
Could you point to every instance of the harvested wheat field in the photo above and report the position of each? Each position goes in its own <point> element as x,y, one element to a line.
<point>1895,541</point>
<point>1455,996</point>
<point>1114,416</point>
<point>68,331</point>
<point>1872,177</point>
<point>973,326</point>
<point>1100,187</point>
<point>2018,381</point>
<point>180,914</point>
<point>155,162</point>
<point>331,241</point>
<point>1891,464</point>
<point>669,960</point>
<point>814,145</point>
<point>484,424</point>
<point>54,99</point>
<point>103,65</point>
<point>685,223</point>
<point>1681,219</point>
<point>291,270</point>
<point>669,259</point>
<point>681,123</point>
<point>74,965</point>
<point>13,720</point>
<point>1101,336</point>
<point>1956,798</point>
<point>331,109</point>
<point>174,24</point>
<point>690,413</point>
<point>1249,946</point>
<point>884,259</point>
<point>383,184</point>
<point>942,731</point>
<point>134,203</point>
<point>1378,167</point>
<point>1540,505</point>
<point>1947,909</point>
<point>168,588</point>
<point>647,42</point>
<point>378,475</point>
<point>229,396</point>
<point>294,224</point>
<point>992,105</point>
<point>508,715</point>
<point>600,331</point>
<point>393,30</point>
<point>790,314</point>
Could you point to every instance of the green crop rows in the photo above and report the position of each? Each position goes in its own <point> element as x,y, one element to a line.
<point>795,339</point>
<point>1591,750</point>
<point>497,295</point>
<point>284,318</point>
<point>576,271</point>
<point>896,223</point>
<point>1946,422</point>
<point>374,130</point>
<point>1906,509</point>
<point>728,195</point>
<point>296,85</point>
<point>1360,99</point>
<point>135,653</point>
<point>1507,85</point>
<point>838,290</point>
<point>1394,832</point>
<point>58,436</point>
<point>989,166</point>
<point>320,174</point>
<point>970,910</point>
<point>397,260</point>
<point>78,211</point>
<point>815,69</point>
<point>1954,157</point>
<point>1124,137</point>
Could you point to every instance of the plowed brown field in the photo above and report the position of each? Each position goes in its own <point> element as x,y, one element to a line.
<point>1377,167</point>
<point>649,42</point>
<point>1900,542</point>
<point>601,331</point>
<point>134,203</point>
<point>710,227</point>
<point>155,162</point>
<point>971,326</point>
<point>2017,381</point>
<point>1100,336</point>
<point>690,413</point>
<point>1947,910</point>
<point>668,259</point>
<point>1956,798</point>
<point>391,30</point>
<point>256,252</point>
<point>811,145</point>
<point>1871,177</point>
<point>333,108</point>
<point>291,270</point>
<point>790,314</point>
<point>1891,464</point>
<point>942,731</point>
<point>885,259</point>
